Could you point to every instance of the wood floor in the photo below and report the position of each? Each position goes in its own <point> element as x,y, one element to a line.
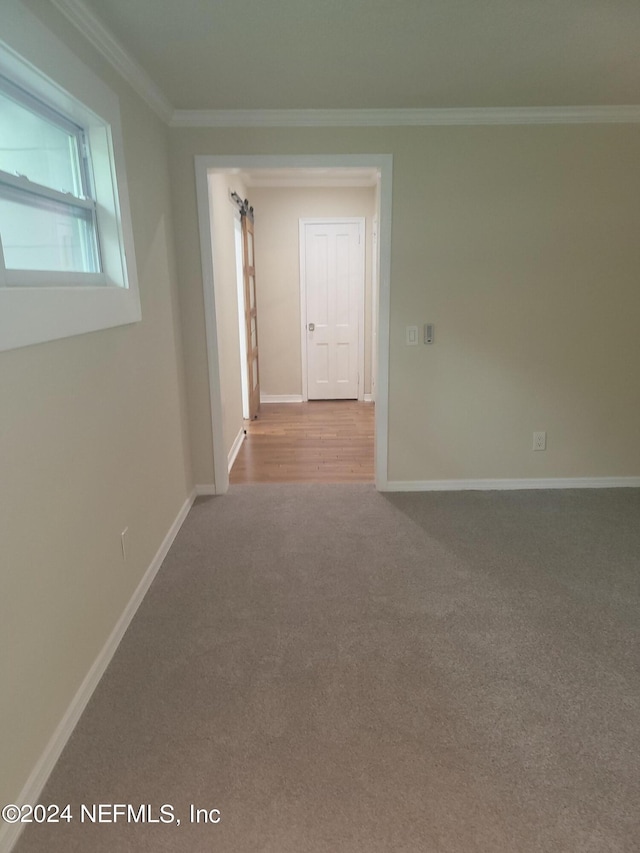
<point>328,441</point>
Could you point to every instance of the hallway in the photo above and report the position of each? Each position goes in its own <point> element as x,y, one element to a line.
<point>319,441</point>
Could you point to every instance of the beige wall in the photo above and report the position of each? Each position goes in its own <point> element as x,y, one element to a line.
<point>93,438</point>
<point>226,294</point>
<point>278,211</point>
<point>520,244</point>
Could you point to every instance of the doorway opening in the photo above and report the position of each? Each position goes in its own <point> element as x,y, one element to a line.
<point>249,176</point>
<point>326,441</point>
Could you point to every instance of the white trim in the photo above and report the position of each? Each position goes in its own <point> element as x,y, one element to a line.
<point>488,485</point>
<point>23,184</point>
<point>33,58</point>
<point>302,286</point>
<point>374,297</point>
<point>296,398</point>
<point>361,222</point>
<point>384,164</point>
<point>205,489</point>
<point>385,189</point>
<point>220,470</point>
<point>112,50</point>
<point>235,447</point>
<point>623,114</point>
<point>32,789</point>
<point>278,182</point>
<point>121,60</point>
<point>281,398</point>
<point>54,278</point>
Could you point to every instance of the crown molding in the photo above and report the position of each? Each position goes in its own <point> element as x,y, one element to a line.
<point>626,114</point>
<point>106,43</point>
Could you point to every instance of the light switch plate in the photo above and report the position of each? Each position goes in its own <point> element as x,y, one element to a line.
<point>412,336</point>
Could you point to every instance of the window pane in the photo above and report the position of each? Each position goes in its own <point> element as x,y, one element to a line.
<point>31,145</point>
<point>43,235</point>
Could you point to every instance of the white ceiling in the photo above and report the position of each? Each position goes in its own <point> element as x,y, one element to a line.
<point>382,54</point>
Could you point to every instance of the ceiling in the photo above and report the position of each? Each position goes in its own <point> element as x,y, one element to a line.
<point>382,54</point>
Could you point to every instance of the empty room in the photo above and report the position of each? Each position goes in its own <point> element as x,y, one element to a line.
<point>430,648</point>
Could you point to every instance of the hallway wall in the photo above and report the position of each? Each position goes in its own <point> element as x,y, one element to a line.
<point>519,243</point>
<point>278,211</point>
<point>93,439</point>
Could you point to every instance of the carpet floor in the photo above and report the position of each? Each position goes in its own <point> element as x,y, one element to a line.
<point>340,671</point>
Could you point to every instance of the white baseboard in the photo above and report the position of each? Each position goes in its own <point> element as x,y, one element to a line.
<point>488,485</point>
<point>297,398</point>
<point>32,789</point>
<point>281,398</point>
<point>235,447</point>
<point>205,489</point>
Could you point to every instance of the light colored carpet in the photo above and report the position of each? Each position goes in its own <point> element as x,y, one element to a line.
<point>339,671</point>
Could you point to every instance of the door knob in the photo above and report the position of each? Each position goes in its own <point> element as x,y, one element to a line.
<point>311,327</point>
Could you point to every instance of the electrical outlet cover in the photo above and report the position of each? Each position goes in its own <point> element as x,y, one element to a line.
<point>539,441</point>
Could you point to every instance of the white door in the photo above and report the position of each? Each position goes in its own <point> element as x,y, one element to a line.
<point>332,278</point>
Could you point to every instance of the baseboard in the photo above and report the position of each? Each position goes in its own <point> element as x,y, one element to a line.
<point>297,398</point>
<point>32,789</point>
<point>205,489</point>
<point>281,398</point>
<point>235,447</point>
<point>489,485</point>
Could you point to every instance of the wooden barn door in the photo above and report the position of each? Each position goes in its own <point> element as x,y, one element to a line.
<point>250,313</point>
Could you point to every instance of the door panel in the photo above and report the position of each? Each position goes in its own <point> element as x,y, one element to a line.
<point>342,363</point>
<point>334,280</point>
<point>322,364</point>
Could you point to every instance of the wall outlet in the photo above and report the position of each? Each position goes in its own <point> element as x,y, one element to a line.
<point>123,543</point>
<point>539,441</point>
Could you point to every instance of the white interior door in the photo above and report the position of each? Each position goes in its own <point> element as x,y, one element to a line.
<point>332,275</point>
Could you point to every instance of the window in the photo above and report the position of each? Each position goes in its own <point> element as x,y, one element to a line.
<point>47,209</point>
<point>67,263</point>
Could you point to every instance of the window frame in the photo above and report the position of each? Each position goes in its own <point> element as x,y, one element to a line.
<point>39,305</point>
<point>23,187</point>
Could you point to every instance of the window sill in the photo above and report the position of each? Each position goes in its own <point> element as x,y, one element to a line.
<point>62,312</point>
<point>47,278</point>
